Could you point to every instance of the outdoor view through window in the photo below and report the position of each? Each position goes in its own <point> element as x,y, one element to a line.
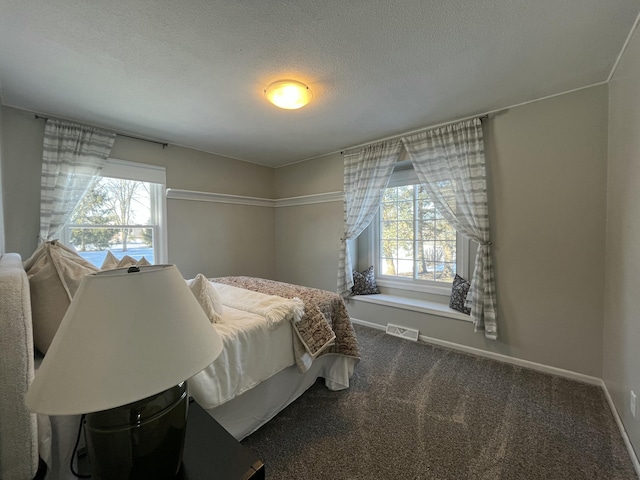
<point>416,242</point>
<point>116,215</point>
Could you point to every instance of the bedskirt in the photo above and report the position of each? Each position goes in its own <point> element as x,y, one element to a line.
<point>248,412</point>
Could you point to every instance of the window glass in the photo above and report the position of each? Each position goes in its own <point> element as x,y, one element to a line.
<point>416,243</point>
<point>122,215</point>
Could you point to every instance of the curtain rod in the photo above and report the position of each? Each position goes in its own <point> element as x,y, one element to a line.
<point>164,144</point>
<point>481,117</point>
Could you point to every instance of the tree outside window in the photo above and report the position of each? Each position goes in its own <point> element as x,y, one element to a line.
<point>416,242</point>
<point>117,215</point>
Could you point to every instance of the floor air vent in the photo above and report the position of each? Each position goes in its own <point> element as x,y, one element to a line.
<point>402,332</point>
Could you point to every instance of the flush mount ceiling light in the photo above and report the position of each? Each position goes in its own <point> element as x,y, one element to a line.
<point>289,94</point>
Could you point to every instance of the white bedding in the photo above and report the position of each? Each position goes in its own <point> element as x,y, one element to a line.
<point>252,353</point>
<point>253,379</point>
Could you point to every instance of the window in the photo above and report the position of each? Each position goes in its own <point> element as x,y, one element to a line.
<point>416,248</point>
<point>123,211</point>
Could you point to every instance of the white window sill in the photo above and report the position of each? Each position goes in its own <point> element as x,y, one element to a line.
<point>413,304</point>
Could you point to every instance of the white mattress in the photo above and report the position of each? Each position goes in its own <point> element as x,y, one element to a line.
<point>252,353</point>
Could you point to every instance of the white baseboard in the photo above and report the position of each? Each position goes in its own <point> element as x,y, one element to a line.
<point>540,367</point>
<point>496,356</point>
<point>623,431</point>
<point>534,366</point>
<point>376,326</point>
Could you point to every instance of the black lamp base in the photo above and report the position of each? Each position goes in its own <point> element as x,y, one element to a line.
<point>141,440</point>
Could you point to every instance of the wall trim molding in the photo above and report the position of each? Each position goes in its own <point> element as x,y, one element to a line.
<point>534,366</point>
<point>177,194</point>
<point>310,199</point>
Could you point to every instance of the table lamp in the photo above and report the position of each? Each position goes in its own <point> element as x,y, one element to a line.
<point>122,354</point>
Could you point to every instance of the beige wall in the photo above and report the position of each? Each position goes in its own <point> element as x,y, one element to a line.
<point>308,236</point>
<point>2,249</point>
<point>546,180</point>
<point>307,244</point>
<point>189,169</point>
<point>21,165</point>
<point>210,238</point>
<point>622,307</point>
<point>547,187</point>
<point>320,175</point>
<point>220,239</point>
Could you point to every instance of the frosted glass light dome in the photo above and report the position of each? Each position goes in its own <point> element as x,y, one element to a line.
<point>288,94</point>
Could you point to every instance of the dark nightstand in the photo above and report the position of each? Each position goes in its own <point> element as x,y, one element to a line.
<point>210,452</point>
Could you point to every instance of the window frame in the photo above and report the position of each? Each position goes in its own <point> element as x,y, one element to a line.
<point>142,172</point>
<point>404,175</point>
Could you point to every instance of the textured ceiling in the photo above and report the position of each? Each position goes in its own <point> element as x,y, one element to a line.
<point>192,73</point>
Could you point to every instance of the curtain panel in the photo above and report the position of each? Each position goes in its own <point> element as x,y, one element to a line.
<point>450,164</point>
<point>366,175</point>
<point>73,155</point>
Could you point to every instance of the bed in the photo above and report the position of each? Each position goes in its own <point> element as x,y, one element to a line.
<point>321,345</point>
<point>241,391</point>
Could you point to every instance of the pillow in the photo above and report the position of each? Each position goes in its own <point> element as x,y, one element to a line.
<point>54,273</point>
<point>143,262</point>
<point>110,261</point>
<point>207,297</point>
<point>459,292</point>
<point>364,283</point>
<point>127,261</point>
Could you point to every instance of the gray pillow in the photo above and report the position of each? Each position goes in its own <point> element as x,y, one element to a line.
<point>459,292</point>
<point>364,283</point>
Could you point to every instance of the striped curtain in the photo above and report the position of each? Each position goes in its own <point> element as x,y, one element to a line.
<point>366,175</point>
<point>73,155</point>
<point>449,162</point>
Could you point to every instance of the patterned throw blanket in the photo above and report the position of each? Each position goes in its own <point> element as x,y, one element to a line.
<point>325,326</point>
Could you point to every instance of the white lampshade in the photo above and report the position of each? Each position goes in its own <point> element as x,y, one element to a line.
<point>288,94</point>
<point>125,337</point>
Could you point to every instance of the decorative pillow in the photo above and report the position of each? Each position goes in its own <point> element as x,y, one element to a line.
<point>110,261</point>
<point>54,273</point>
<point>364,283</point>
<point>207,297</point>
<point>143,262</point>
<point>127,261</point>
<point>459,292</point>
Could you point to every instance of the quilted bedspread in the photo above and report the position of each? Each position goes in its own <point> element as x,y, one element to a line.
<point>325,326</point>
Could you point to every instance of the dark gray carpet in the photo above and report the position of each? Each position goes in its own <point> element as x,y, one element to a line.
<point>420,412</point>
